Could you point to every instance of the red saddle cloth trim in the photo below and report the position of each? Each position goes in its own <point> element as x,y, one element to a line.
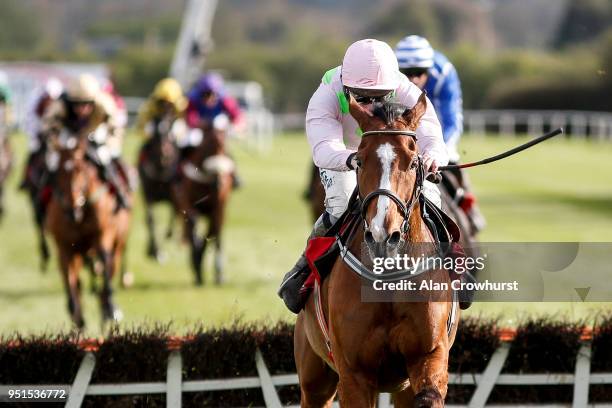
<point>316,248</point>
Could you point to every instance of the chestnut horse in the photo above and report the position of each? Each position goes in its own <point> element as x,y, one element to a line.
<point>204,190</point>
<point>84,221</point>
<point>400,347</point>
<point>157,162</point>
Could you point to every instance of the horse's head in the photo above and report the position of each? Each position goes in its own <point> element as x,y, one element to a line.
<point>215,132</point>
<point>71,178</point>
<point>164,135</point>
<point>389,173</point>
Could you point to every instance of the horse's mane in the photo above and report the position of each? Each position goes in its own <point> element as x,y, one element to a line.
<point>389,111</point>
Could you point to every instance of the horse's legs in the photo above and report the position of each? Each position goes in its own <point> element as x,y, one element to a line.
<point>404,398</point>
<point>198,246</point>
<point>152,249</point>
<point>70,264</point>
<point>1,200</point>
<point>214,231</point>
<point>109,310</point>
<point>354,390</point>
<point>318,382</point>
<point>429,378</point>
<point>171,221</point>
<point>39,217</point>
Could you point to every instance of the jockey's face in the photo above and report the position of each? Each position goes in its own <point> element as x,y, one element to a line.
<point>209,98</point>
<point>83,110</point>
<point>366,97</point>
<point>417,76</point>
<point>165,107</point>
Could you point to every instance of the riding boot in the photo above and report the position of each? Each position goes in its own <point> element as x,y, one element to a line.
<point>466,296</point>
<point>25,181</point>
<point>125,174</point>
<point>113,179</point>
<point>290,288</point>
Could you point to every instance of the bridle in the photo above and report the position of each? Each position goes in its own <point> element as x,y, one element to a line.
<point>405,208</point>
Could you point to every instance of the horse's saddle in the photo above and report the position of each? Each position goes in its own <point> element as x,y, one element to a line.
<point>322,252</point>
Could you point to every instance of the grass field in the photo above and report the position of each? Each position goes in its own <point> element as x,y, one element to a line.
<point>559,191</point>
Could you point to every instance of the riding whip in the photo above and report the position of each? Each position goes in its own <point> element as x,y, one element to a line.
<point>509,153</point>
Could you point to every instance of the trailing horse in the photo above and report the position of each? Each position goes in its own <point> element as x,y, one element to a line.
<point>157,166</point>
<point>6,162</point>
<point>359,349</point>
<point>204,189</point>
<point>84,219</point>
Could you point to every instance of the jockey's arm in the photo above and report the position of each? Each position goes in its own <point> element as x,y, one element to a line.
<point>235,114</point>
<point>451,107</point>
<point>324,131</point>
<point>192,116</point>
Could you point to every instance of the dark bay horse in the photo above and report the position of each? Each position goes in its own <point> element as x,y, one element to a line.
<point>157,166</point>
<point>204,190</point>
<point>82,217</point>
<point>315,193</point>
<point>399,347</point>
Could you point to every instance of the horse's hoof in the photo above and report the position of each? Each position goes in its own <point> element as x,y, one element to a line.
<point>117,315</point>
<point>428,398</point>
<point>162,258</point>
<point>127,280</point>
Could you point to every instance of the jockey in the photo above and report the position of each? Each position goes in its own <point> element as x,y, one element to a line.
<point>5,105</point>
<point>433,72</point>
<point>38,105</point>
<point>369,71</point>
<point>207,100</point>
<point>86,110</point>
<point>166,101</point>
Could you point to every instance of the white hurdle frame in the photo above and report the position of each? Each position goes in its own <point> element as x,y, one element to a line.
<point>174,386</point>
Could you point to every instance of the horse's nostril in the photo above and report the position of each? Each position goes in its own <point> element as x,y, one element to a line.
<point>369,238</point>
<point>394,238</point>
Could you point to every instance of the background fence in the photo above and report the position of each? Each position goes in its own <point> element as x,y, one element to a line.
<point>596,125</point>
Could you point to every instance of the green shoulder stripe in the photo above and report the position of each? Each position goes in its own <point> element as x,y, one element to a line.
<point>343,102</point>
<point>328,76</point>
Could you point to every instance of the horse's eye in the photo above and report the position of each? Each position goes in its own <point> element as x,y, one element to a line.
<point>358,161</point>
<point>413,165</point>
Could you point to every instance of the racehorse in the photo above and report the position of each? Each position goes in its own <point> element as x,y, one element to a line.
<point>315,193</point>
<point>82,217</point>
<point>157,162</point>
<point>6,162</point>
<point>35,179</point>
<point>204,190</point>
<point>399,347</point>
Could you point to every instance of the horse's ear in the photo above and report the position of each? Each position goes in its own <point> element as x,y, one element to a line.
<point>414,115</point>
<point>361,115</point>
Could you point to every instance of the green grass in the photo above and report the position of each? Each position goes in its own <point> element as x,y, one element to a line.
<point>558,191</point>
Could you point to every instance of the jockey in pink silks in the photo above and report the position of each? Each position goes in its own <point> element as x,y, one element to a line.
<point>370,73</point>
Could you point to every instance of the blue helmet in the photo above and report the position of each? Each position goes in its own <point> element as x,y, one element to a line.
<point>414,52</point>
<point>211,82</point>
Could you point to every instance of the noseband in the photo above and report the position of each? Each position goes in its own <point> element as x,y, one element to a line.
<point>404,207</point>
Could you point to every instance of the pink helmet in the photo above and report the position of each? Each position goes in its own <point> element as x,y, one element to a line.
<point>370,64</point>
